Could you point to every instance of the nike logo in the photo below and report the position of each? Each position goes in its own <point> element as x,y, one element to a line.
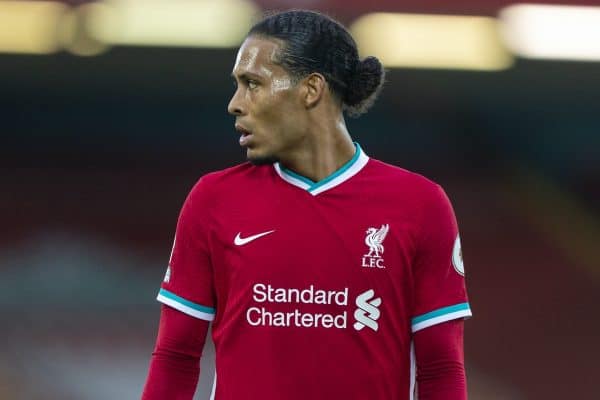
<point>240,241</point>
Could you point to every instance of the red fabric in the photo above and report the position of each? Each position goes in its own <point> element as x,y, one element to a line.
<point>175,364</point>
<point>440,362</point>
<point>316,254</point>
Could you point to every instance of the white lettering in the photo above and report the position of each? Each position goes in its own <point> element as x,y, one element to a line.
<point>371,262</point>
<point>307,320</point>
<point>267,294</point>
<point>307,295</point>
<point>258,291</point>
<point>278,318</point>
<point>327,321</point>
<point>321,297</point>
<point>251,321</point>
<point>294,293</point>
<point>262,317</point>
<point>280,295</point>
<point>341,298</point>
<point>340,321</point>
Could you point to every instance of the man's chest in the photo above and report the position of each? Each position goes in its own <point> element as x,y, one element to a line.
<point>319,253</point>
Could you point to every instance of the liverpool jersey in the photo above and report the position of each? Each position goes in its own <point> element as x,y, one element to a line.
<point>316,288</point>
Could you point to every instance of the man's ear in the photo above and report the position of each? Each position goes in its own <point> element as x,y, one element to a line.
<point>315,87</point>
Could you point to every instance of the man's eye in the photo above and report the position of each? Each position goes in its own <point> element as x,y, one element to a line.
<point>252,84</point>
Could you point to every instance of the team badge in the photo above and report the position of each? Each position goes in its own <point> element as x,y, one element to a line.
<point>374,240</point>
<point>457,259</point>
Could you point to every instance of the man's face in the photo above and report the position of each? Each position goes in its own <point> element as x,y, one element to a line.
<point>266,103</point>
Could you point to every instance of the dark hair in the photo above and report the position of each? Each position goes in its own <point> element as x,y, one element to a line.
<point>314,42</point>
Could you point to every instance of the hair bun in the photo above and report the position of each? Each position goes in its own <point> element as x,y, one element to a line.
<point>366,83</point>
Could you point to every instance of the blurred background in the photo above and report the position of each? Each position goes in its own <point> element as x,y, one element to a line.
<point>111,110</point>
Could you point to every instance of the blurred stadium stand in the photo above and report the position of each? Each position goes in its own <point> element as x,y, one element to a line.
<point>98,153</point>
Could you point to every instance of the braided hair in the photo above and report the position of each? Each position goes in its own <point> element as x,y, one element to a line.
<point>314,42</point>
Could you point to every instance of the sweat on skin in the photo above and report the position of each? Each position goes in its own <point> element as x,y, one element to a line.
<point>246,60</point>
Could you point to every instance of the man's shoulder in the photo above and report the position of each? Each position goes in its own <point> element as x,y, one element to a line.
<point>411,190</point>
<point>401,178</point>
<point>232,178</point>
<point>226,175</point>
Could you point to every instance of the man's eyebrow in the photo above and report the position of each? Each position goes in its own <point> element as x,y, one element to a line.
<point>245,75</point>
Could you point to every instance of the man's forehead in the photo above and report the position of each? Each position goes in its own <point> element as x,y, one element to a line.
<point>256,52</point>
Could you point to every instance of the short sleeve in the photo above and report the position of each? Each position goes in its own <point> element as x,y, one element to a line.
<point>188,283</point>
<point>439,285</point>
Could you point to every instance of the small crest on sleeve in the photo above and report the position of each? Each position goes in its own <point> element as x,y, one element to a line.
<point>457,259</point>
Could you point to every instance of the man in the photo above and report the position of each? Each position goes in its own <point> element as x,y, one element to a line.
<point>327,274</point>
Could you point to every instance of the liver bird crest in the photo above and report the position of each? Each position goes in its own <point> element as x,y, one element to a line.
<point>374,240</point>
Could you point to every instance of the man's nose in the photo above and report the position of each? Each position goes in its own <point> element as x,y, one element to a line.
<point>236,106</point>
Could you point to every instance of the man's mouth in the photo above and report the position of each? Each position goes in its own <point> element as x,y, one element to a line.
<point>246,135</point>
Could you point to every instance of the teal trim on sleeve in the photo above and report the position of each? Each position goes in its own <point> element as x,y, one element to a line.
<point>185,302</point>
<point>440,312</point>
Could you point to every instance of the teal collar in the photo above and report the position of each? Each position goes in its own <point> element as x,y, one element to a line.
<point>347,171</point>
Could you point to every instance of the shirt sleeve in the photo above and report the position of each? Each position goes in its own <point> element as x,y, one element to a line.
<point>440,362</point>
<point>440,293</point>
<point>175,364</point>
<point>188,283</point>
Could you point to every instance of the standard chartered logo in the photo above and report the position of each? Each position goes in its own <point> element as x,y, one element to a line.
<point>271,300</point>
<point>367,312</point>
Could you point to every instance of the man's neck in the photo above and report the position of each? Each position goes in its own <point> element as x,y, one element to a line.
<point>325,151</point>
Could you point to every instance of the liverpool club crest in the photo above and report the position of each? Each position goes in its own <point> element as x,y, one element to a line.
<point>374,240</point>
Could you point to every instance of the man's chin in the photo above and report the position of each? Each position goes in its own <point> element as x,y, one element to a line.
<point>261,159</point>
<point>267,160</point>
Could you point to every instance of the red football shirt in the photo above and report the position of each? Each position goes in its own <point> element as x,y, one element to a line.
<point>315,288</point>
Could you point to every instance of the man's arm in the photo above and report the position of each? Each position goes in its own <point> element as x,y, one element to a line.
<point>440,362</point>
<point>175,363</point>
